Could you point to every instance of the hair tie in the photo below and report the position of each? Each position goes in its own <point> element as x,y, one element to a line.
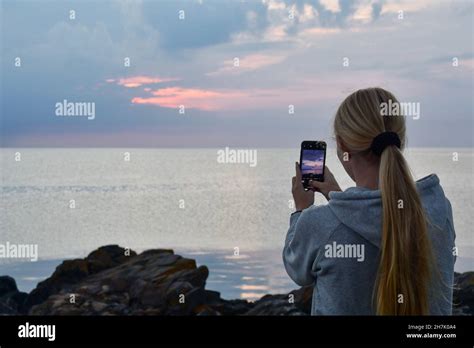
<point>383,140</point>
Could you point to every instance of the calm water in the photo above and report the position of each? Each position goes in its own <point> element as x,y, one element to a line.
<point>182,199</point>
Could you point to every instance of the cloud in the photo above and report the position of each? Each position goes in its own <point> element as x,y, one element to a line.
<point>137,81</point>
<point>205,24</point>
<point>363,13</point>
<point>309,13</point>
<point>288,20</point>
<point>282,62</point>
<point>275,4</point>
<point>276,33</point>
<point>393,6</point>
<point>234,101</point>
<point>331,5</point>
<point>317,31</point>
<point>248,63</point>
<point>173,97</point>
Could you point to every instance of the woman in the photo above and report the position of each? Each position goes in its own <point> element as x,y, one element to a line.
<point>383,247</point>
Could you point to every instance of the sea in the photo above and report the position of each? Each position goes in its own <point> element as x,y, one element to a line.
<point>232,217</point>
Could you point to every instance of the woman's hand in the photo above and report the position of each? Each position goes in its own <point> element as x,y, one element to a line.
<point>303,199</point>
<point>329,184</point>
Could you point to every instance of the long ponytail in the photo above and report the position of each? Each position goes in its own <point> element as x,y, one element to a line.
<point>404,272</point>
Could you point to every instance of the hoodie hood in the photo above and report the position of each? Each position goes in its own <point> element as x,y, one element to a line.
<point>360,209</point>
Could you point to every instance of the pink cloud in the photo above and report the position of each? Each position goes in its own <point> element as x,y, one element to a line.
<point>304,93</point>
<point>232,99</point>
<point>222,99</point>
<point>202,99</point>
<point>137,81</point>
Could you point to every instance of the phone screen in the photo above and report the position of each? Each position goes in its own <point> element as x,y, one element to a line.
<point>312,162</point>
<point>312,158</point>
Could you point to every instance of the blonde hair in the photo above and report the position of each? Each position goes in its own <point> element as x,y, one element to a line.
<point>405,251</point>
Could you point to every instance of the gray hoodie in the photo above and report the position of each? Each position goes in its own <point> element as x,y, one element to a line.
<point>336,248</point>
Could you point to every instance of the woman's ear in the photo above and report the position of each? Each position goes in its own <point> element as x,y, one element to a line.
<point>344,156</point>
<point>341,144</point>
<point>342,151</point>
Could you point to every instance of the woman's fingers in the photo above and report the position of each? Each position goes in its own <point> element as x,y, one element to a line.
<point>315,184</point>
<point>298,171</point>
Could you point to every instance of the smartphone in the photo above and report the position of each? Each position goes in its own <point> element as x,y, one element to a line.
<point>312,161</point>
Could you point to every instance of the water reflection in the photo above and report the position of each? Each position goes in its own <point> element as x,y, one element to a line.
<point>246,276</point>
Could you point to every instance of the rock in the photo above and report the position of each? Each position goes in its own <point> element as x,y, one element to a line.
<point>204,310</point>
<point>150,296</point>
<point>12,301</point>
<point>160,283</point>
<point>107,257</point>
<point>275,305</point>
<point>212,296</point>
<point>70,272</point>
<point>463,294</point>
<point>303,298</point>
<point>297,304</point>
<point>231,307</point>
<point>99,307</point>
<point>7,310</point>
<point>7,285</point>
<point>184,298</point>
<point>157,282</point>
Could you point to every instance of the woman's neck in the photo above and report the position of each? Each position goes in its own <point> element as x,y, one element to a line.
<point>367,175</point>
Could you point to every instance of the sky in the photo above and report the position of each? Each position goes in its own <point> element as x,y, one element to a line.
<point>312,160</point>
<point>229,73</point>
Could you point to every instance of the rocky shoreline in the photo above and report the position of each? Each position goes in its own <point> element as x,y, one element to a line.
<point>114,281</point>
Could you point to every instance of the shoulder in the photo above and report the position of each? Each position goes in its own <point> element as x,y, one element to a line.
<point>434,200</point>
<point>319,219</point>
